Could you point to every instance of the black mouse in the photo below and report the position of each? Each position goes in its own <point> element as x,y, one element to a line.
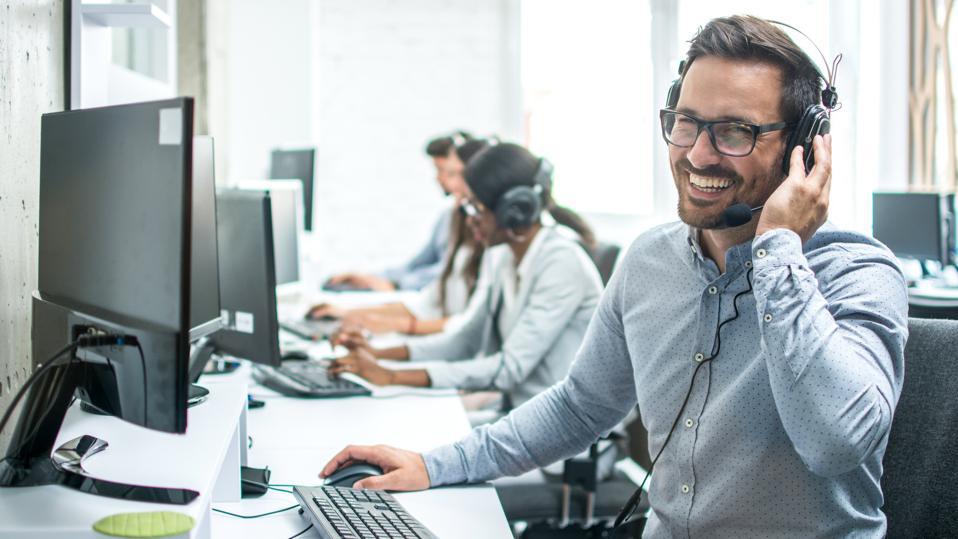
<point>295,355</point>
<point>348,475</point>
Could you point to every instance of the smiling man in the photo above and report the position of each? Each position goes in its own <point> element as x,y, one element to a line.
<point>766,358</point>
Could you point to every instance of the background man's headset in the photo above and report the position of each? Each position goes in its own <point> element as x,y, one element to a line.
<point>814,121</point>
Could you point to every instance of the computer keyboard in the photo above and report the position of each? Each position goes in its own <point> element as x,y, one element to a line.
<point>307,379</point>
<point>339,512</point>
<point>314,330</point>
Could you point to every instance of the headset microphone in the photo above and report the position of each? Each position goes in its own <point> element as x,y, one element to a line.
<point>738,214</point>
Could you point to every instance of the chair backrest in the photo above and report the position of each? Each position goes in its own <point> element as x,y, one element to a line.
<point>604,256</point>
<point>921,462</point>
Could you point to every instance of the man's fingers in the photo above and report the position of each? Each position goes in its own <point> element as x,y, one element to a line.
<point>345,456</point>
<point>796,164</point>
<point>389,481</point>
<point>823,162</point>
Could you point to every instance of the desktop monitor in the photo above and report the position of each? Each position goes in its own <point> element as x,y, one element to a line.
<point>916,225</point>
<point>287,223</point>
<point>296,164</point>
<point>247,277</point>
<point>114,258</point>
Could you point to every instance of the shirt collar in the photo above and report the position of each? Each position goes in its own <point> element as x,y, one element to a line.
<point>736,258</point>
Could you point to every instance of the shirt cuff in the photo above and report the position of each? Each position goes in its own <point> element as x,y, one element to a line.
<point>776,248</point>
<point>444,465</point>
<point>442,375</point>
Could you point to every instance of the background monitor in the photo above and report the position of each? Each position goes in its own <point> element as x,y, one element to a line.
<point>915,225</point>
<point>247,277</point>
<point>286,210</point>
<point>296,164</point>
<point>204,263</point>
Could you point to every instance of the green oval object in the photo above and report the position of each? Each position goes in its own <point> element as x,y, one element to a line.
<point>149,524</point>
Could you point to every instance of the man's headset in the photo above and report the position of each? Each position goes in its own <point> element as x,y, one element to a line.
<point>814,121</point>
<point>520,206</point>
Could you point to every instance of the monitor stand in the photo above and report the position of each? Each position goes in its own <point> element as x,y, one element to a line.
<point>31,459</point>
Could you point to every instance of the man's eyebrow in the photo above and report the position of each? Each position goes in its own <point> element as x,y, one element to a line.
<point>693,112</point>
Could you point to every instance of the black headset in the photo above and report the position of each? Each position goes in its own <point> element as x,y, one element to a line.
<point>814,121</point>
<point>519,207</point>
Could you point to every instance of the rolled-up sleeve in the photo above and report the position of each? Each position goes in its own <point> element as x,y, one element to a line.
<point>834,355</point>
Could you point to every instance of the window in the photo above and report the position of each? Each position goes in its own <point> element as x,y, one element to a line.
<point>587,89</point>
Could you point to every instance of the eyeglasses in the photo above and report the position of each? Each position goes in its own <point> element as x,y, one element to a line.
<point>728,137</point>
<point>469,208</point>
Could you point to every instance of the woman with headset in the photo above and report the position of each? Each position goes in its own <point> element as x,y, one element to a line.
<point>541,293</point>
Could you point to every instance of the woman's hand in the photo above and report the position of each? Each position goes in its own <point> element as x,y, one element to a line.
<point>362,363</point>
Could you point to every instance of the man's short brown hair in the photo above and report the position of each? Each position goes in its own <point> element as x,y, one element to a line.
<point>744,37</point>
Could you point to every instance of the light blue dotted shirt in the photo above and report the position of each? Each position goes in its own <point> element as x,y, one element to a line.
<point>785,429</point>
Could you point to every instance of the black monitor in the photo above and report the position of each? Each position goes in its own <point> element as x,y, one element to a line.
<point>915,225</point>
<point>204,267</point>
<point>114,259</point>
<point>296,164</point>
<point>247,277</point>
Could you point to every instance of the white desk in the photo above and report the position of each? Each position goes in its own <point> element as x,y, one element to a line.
<point>296,437</point>
<point>141,456</point>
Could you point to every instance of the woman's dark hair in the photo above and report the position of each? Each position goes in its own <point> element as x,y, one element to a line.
<point>743,37</point>
<point>499,168</point>
<point>459,234</point>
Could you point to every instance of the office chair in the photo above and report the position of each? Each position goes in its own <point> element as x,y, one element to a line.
<point>562,507</point>
<point>921,461</point>
<point>604,256</point>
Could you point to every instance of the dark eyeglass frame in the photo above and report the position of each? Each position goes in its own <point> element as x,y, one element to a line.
<point>470,208</point>
<point>708,126</point>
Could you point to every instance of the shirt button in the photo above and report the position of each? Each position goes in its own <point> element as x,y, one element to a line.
<point>699,357</point>
<point>685,489</point>
<point>761,253</point>
<point>748,263</point>
<point>689,423</point>
<point>767,317</point>
<point>713,290</point>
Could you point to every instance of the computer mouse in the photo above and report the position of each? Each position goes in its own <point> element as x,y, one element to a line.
<point>295,355</point>
<point>348,475</point>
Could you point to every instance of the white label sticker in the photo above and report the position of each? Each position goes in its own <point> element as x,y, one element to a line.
<point>171,127</point>
<point>225,317</point>
<point>244,322</point>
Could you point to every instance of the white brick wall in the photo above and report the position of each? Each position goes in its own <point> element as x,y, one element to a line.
<point>369,83</point>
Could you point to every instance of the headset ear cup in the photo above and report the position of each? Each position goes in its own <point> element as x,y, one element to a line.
<point>814,121</point>
<point>518,207</point>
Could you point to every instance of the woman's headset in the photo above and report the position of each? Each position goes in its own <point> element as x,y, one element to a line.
<point>520,206</point>
<point>814,121</point>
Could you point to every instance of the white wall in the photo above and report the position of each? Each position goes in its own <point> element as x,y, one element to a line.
<point>31,83</point>
<point>368,82</point>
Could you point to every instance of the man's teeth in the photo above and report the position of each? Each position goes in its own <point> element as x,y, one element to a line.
<point>709,184</point>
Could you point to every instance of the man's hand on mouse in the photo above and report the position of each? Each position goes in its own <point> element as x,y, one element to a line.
<point>402,470</point>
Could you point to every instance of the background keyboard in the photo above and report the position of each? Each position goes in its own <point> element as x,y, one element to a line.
<point>306,379</point>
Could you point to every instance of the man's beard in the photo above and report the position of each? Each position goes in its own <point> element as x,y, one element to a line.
<point>717,220</point>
